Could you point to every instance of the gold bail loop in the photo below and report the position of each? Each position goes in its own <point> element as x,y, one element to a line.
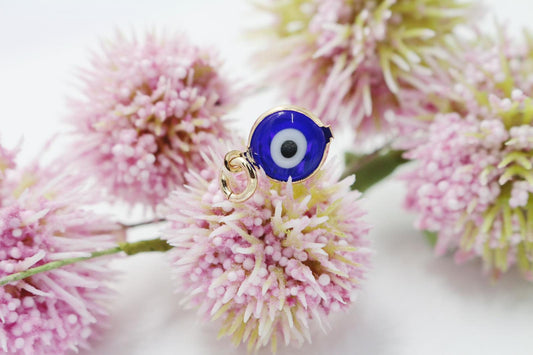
<point>235,162</point>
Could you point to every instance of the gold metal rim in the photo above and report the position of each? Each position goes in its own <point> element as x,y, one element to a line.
<point>235,162</point>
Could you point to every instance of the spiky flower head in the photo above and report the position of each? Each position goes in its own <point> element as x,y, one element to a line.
<point>362,61</point>
<point>148,107</point>
<point>59,310</point>
<point>474,174</point>
<point>483,65</point>
<point>267,267</point>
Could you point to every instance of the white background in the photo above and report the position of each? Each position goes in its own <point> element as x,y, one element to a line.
<point>412,303</point>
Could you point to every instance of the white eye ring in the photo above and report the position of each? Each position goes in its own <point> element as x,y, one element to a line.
<point>288,134</point>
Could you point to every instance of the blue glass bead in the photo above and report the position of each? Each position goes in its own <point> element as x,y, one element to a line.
<point>288,143</point>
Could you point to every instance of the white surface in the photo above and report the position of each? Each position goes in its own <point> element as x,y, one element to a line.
<point>412,302</point>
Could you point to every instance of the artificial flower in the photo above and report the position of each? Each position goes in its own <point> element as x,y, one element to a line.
<point>148,107</point>
<point>362,62</point>
<point>267,267</point>
<point>42,220</point>
<point>473,178</point>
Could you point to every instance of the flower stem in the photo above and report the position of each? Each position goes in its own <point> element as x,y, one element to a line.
<point>372,168</point>
<point>156,244</point>
<point>145,223</point>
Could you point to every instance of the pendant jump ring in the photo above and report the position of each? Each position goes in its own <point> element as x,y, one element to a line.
<point>235,162</point>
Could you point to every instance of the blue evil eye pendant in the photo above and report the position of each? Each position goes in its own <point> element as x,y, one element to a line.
<point>287,142</point>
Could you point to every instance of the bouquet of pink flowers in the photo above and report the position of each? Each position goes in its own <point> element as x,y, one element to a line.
<point>149,128</point>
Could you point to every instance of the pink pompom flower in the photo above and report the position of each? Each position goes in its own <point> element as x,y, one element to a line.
<point>367,63</point>
<point>474,177</point>
<point>148,107</point>
<point>41,220</point>
<point>267,267</point>
<point>482,66</point>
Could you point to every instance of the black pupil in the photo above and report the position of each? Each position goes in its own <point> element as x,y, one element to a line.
<point>289,149</point>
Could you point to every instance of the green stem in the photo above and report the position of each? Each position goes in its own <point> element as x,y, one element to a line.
<point>128,248</point>
<point>431,238</point>
<point>373,168</point>
<point>144,223</point>
<point>142,246</point>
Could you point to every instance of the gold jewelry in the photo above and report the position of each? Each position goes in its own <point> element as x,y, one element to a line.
<point>287,142</point>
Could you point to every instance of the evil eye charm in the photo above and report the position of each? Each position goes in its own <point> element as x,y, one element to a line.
<point>286,142</point>
<point>289,142</point>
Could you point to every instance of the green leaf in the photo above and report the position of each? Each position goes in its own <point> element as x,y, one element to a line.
<point>373,168</point>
